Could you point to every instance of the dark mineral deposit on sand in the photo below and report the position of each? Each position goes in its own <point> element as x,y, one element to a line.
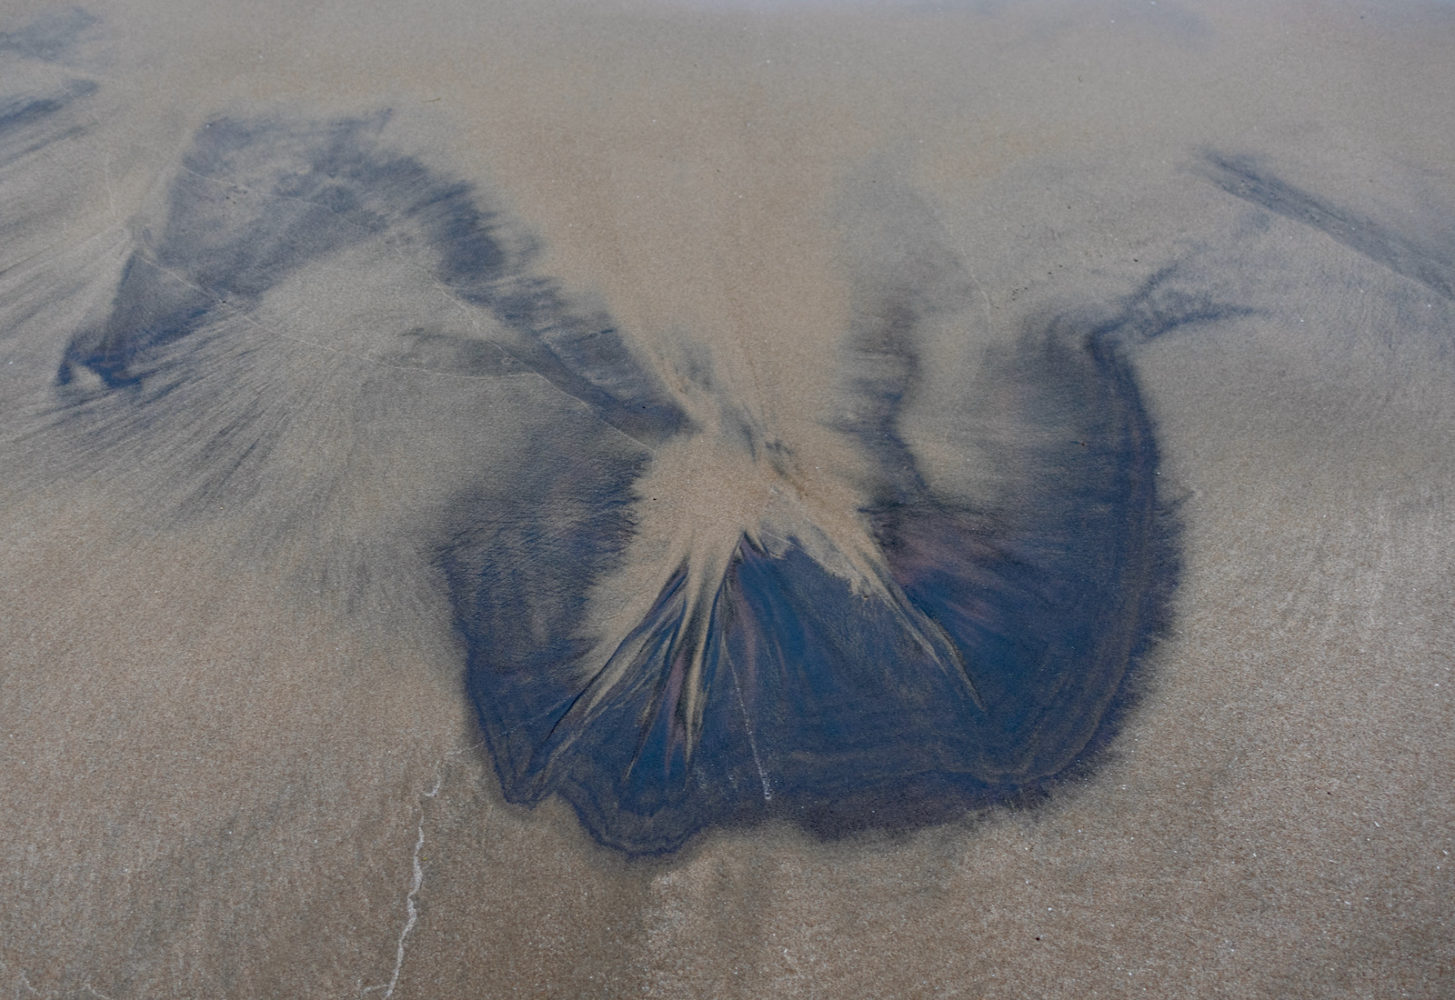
<point>725,499</point>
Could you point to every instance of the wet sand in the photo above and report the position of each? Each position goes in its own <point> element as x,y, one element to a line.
<point>240,758</point>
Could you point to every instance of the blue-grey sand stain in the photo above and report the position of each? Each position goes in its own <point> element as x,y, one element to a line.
<point>863,653</point>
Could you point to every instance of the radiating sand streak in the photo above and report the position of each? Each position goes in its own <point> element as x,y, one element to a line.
<point>726,493</point>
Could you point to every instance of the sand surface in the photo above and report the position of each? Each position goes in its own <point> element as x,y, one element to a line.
<point>237,757</point>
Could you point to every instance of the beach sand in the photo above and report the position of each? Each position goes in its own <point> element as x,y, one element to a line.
<point>239,759</point>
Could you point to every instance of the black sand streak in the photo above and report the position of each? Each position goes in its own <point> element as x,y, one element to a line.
<point>1245,177</point>
<point>30,123</point>
<point>49,37</point>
